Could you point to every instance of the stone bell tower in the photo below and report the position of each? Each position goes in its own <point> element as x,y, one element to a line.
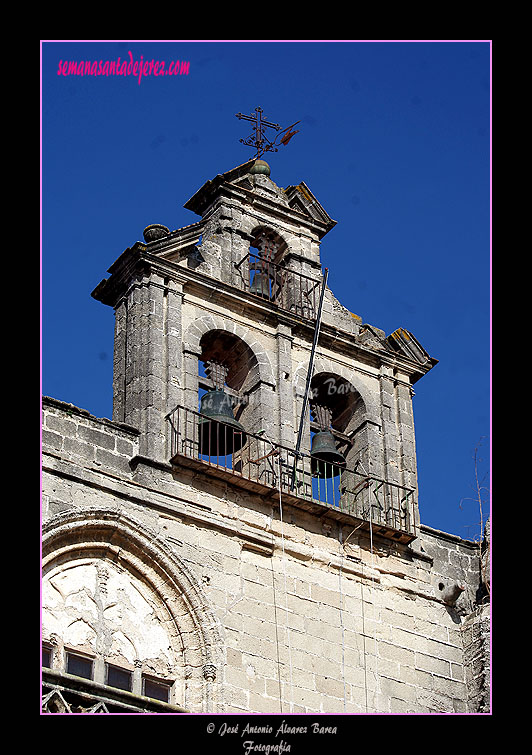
<point>238,292</point>
<point>254,497</point>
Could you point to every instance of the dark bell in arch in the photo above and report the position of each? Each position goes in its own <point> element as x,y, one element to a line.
<point>326,460</point>
<point>260,286</point>
<point>219,432</point>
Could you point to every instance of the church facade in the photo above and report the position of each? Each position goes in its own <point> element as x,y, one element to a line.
<point>243,536</point>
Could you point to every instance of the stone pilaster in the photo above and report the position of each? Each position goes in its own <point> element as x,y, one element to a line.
<point>173,383</point>
<point>285,389</point>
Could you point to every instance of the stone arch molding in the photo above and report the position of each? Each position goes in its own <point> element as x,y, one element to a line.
<point>371,409</point>
<point>117,539</point>
<point>203,325</point>
<point>274,233</point>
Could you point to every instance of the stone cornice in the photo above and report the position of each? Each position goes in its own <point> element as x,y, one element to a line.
<point>252,537</point>
<point>447,536</point>
<point>145,496</point>
<point>109,290</point>
<point>219,187</point>
<point>138,261</point>
<point>71,409</point>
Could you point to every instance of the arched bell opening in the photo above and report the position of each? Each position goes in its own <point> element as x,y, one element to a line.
<point>332,405</point>
<point>226,368</point>
<point>266,277</point>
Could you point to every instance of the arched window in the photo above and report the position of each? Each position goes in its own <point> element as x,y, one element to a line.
<point>101,623</point>
<point>267,278</point>
<point>122,609</point>
<point>335,408</point>
<point>228,370</point>
<point>278,276</point>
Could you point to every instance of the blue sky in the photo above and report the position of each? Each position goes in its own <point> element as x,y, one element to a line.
<point>394,141</point>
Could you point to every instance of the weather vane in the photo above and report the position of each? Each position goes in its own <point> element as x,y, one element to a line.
<point>259,140</point>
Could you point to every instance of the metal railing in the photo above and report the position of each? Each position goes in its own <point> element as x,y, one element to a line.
<point>258,463</point>
<point>288,289</point>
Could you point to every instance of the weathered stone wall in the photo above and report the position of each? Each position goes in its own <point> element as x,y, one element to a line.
<point>476,631</point>
<point>294,614</point>
<point>73,436</point>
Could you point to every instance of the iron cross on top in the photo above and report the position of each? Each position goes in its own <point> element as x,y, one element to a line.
<point>259,140</point>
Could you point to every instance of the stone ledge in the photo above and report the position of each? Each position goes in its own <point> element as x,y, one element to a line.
<point>71,409</point>
<point>440,535</point>
<point>92,692</point>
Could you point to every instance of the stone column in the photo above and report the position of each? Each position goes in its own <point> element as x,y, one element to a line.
<point>174,383</point>
<point>285,397</point>
<point>405,424</point>
<point>189,392</point>
<point>119,361</point>
<point>390,433</point>
<point>153,406</point>
<point>140,378</point>
<point>133,351</point>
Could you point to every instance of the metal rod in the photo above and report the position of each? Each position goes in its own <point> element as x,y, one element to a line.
<point>309,376</point>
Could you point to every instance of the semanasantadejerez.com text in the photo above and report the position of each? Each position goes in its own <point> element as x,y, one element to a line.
<point>119,67</point>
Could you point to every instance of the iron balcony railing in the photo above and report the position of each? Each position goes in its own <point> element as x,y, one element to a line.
<point>271,468</point>
<point>288,289</point>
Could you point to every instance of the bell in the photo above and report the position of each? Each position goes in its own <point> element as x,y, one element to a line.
<point>260,285</point>
<point>219,432</point>
<point>326,460</point>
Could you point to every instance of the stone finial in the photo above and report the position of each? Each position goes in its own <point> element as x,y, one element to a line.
<point>155,232</point>
<point>260,167</point>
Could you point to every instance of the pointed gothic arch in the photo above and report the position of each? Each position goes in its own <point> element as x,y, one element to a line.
<point>116,543</point>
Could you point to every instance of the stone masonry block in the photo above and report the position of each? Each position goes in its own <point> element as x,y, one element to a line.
<point>403,656</point>
<point>433,665</point>
<point>79,448</point>
<point>328,597</point>
<point>397,689</point>
<point>263,704</point>
<point>59,424</point>
<point>96,437</point>
<point>330,687</point>
<point>316,628</point>
<point>125,447</point>
<point>245,679</point>
<point>449,687</point>
<point>51,440</point>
